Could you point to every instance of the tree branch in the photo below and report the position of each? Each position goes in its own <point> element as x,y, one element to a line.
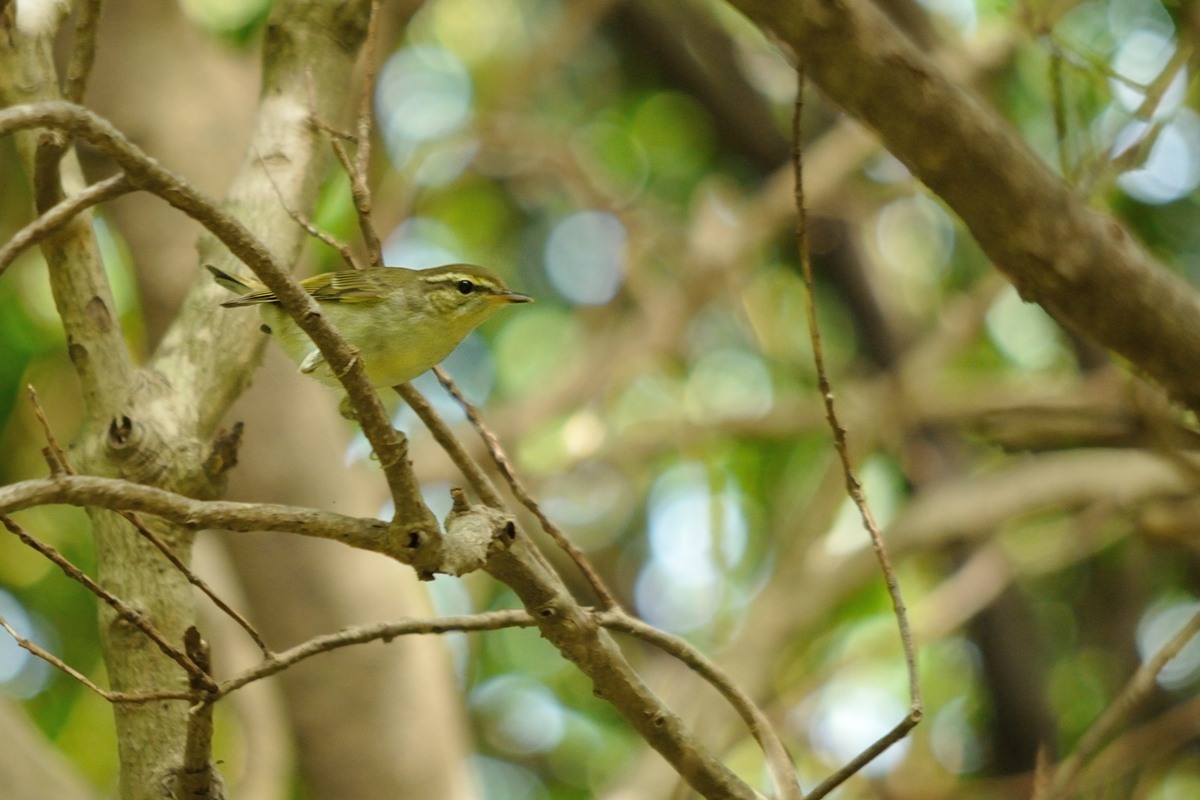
<point>1082,266</point>
<point>84,490</point>
<point>59,215</point>
<point>779,762</point>
<point>123,610</point>
<point>144,173</point>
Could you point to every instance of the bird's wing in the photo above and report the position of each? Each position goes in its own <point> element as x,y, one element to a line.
<point>346,286</point>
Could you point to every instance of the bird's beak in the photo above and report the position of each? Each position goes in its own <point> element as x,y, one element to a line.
<point>511,297</point>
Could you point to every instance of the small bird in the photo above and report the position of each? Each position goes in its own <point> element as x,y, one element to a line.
<point>401,321</point>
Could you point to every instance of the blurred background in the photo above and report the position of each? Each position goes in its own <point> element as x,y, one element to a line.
<point>626,163</point>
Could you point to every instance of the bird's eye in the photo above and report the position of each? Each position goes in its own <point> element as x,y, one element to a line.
<point>465,287</point>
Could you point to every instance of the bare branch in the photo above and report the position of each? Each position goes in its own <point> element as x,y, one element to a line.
<point>196,778</point>
<point>1057,251</point>
<point>502,462</point>
<point>85,490</point>
<point>383,631</point>
<point>127,613</point>
<point>359,185</point>
<point>362,156</point>
<point>853,486</point>
<point>779,762</point>
<point>60,463</point>
<point>65,466</point>
<point>1135,692</point>
<point>67,669</point>
<point>60,214</point>
<point>341,247</point>
<point>468,466</point>
<point>145,173</point>
<point>361,194</point>
<point>195,579</point>
<point>470,469</point>
<point>574,632</point>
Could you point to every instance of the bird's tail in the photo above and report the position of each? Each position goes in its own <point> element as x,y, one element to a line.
<point>233,283</point>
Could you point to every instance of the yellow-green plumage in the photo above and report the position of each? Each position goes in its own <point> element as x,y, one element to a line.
<point>401,321</point>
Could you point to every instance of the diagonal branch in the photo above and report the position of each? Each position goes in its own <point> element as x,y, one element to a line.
<point>1135,692</point>
<point>607,599</point>
<point>1082,266</point>
<point>779,762</point>
<point>113,697</point>
<point>145,173</point>
<point>123,609</point>
<point>63,465</point>
<point>60,214</point>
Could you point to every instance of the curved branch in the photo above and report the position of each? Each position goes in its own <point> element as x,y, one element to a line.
<point>60,214</point>
<point>1082,266</point>
<point>779,762</point>
<point>360,634</point>
<point>145,173</point>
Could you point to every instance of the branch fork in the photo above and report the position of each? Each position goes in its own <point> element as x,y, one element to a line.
<point>474,533</point>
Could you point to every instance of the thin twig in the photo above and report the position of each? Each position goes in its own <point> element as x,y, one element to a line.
<point>853,487</point>
<point>359,185</point>
<point>125,611</point>
<point>145,532</point>
<point>467,465</point>
<point>60,455</point>
<point>361,195</point>
<point>328,129</point>
<point>67,669</point>
<point>356,169</point>
<point>147,174</point>
<point>341,247</point>
<point>1157,88</point>
<point>1059,108</point>
<point>385,631</point>
<point>779,761</point>
<point>1134,693</point>
<point>605,597</point>
<point>195,579</point>
<point>865,757</point>
<point>60,214</point>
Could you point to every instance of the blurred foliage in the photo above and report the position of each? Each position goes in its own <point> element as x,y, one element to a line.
<point>661,400</point>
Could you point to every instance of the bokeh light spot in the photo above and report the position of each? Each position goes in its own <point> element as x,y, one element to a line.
<point>914,239</point>
<point>1140,57</point>
<point>1156,627</point>
<point>21,674</point>
<point>475,29</point>
<point>1023,332</point>
<point>1172,168</point>
<point>424,93</point>
<point>420,243</point>
<point>952,739</point>
<point>534,345</point>
<point>520,716</point>
<point>585,257</point>
<point>851,716</point>
<point>697,532</point>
